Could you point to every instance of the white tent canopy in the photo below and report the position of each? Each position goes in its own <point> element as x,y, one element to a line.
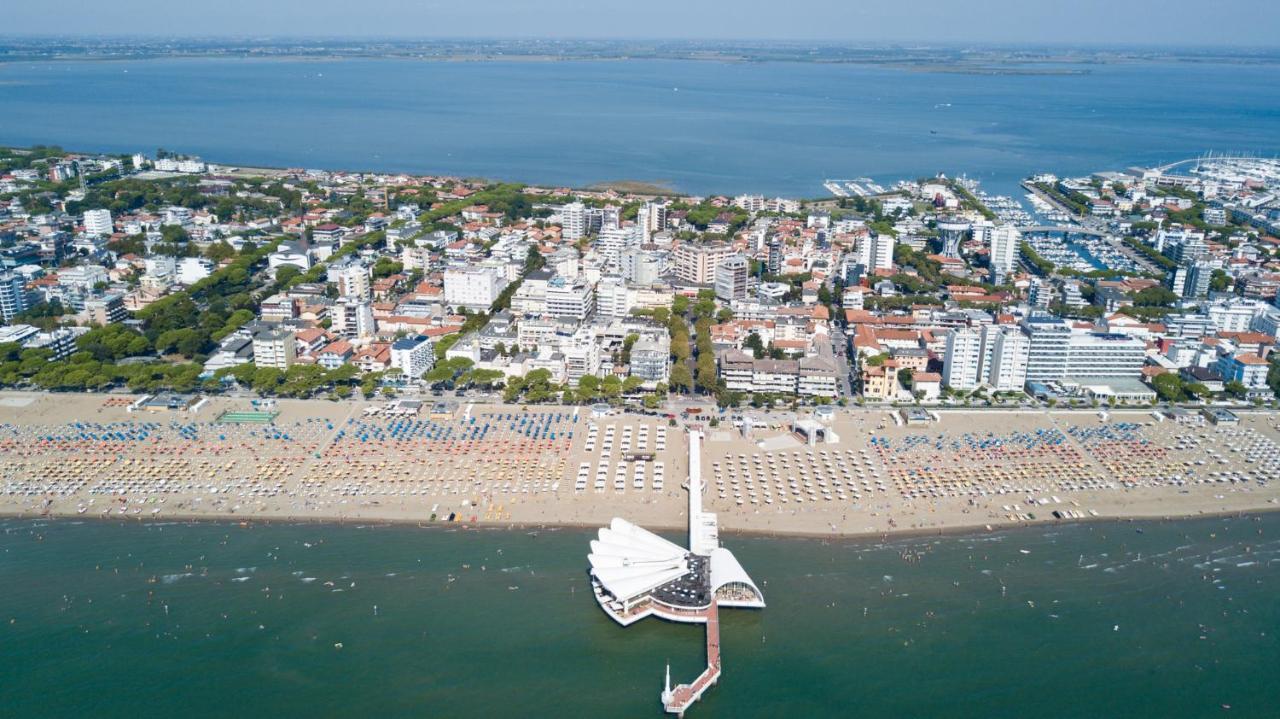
<point>630,561</point>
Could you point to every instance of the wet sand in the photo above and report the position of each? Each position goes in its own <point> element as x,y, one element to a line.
<point>86,455</point>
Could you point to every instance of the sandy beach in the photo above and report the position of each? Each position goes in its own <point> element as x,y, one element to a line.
<point>87,455</point>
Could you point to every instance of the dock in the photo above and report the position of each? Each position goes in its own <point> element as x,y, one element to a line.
<point>678,700</point>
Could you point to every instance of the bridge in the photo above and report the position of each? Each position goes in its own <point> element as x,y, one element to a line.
<point>1062,230</point>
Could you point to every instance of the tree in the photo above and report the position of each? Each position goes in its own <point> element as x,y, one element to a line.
<point>1168,387</point>
<point>681,378</point>
<point>219,251</point>
<point>755,344</point>
<point>588,387</point>
<point>286,274</point>
<point>1156,296</point>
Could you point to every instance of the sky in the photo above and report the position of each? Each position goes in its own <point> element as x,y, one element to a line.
<point>1082,22</point>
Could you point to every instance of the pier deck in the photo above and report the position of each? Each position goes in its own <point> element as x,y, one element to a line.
<point>678,700</point>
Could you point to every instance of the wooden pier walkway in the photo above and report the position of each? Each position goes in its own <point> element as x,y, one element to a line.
<point>678,700</point>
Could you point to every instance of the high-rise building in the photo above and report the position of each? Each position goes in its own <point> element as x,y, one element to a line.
<point>573,221</point>
<point>731,279</point>
<point>97,222</point>
<point>650,359</point>
<point>1057,351</point>
<point>1003,243</point>
<point>1005,353</point>
<point>643,267</point>
<point>652,217</point>
<point>874,251</point>
<point>352,318</point>
<point>353,280</point>
<point>774,262</point>
<point>613,299</point>
<point>952,232</point>
<point>696,263</point>
<point>962,364</point>
<point>13,296</point>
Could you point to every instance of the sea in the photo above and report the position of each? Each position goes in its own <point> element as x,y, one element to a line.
<point>1100,619</point>
<point>701,127</point>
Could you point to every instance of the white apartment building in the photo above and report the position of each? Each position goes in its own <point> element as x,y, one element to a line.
<point>1005,353</point>
<point>13,295</point>
<point>962,364</point>
<point>98,222</point>
<point>651,218</point>
<point>643,267</point>
<point>412,356</point>
<point>581,355</point>
<point>191,270</point>
<point>1234,315</point>
<point>573,299</point>
<point>475,288</point>
<point>1004,244</point>
<point>573,221</point>
<point>1060,352</point>
<point>274,348</point>
<point>651,359</point>
<point>613,299</point>
<point>875,251</point>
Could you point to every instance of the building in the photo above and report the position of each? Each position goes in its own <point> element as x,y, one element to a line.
<point>613,299</point>
<point>413,356</point>
<point>574,299</point>
<point>643,267</point>
<point>992,356</point>
<point>731,279</point>
<point>191,270</point>
<point>475,288</point>
<point>274,348</point>
<point>809,376</point>
<point>652,217</point>
<point>1004,245</point>
<point>106,309</point>
<point>962,364</point>
<point>650,359</point>
<point>14,299</point>
<point>354,280</point>
<point>1005,354</point>
<point>335,354</point>
<point>1058,351</point>
<point>874,251</point>
<point>696,263</point>
<point>573,221</point>
<point>352,318</point>
<point>1249,370</point>
<point>98,222</point>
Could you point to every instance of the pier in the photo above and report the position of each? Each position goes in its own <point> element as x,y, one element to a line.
<point>678,700</point>
<point>636,573</point>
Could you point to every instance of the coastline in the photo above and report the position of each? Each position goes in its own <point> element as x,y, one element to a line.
<point>534,527</point>
<point>86,456</point>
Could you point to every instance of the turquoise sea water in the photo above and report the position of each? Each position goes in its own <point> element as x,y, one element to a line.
<point>777,128</point>
<point>214,620</point>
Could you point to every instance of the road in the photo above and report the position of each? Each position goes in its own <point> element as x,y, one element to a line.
<point>840,349</point>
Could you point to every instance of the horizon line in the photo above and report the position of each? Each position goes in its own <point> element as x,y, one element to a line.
<point>903,43</point>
